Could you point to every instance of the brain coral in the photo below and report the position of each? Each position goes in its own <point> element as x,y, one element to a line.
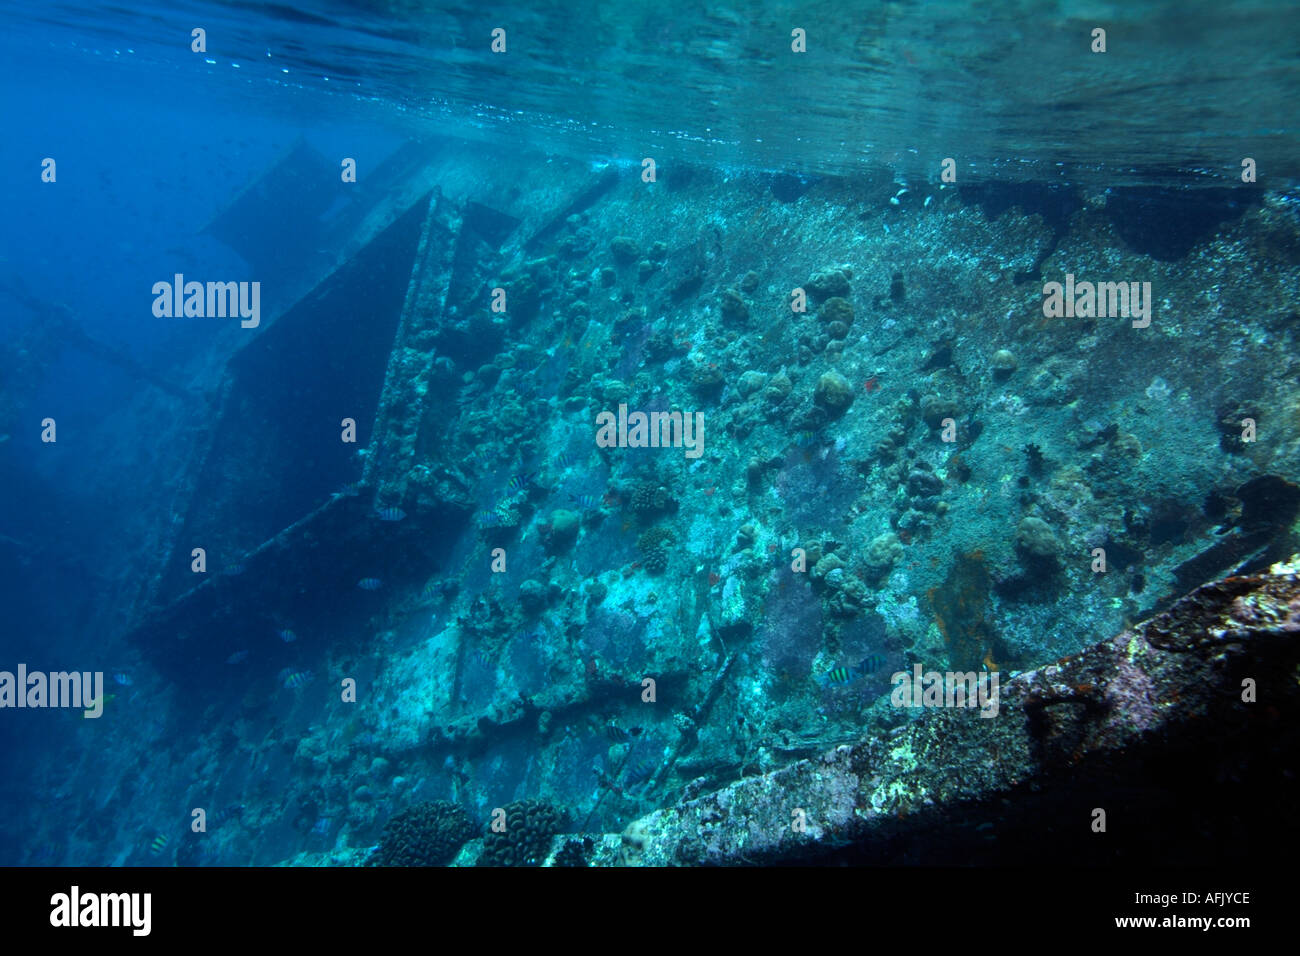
<point>530,824</point>
<point>427,834</point>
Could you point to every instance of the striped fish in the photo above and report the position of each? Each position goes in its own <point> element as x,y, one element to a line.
<point>391,514</point>
<point>639,773</point>
<point>586,502</point>
<point>838,675</point>
<point>293,680</point>
<point>370,584</point>
<point>846,675</point>
<point>519,482</point>
<point>158,845</point>
<point>870,664</point>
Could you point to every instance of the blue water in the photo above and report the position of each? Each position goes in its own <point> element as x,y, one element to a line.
<point>153,142</point>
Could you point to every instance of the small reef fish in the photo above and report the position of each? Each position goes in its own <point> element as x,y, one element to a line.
<point>321,827</point>
<point>586,502</point>
<point>158,844</point>
<point>617,734</point>
<point>489,519</point>
<point>520,481</point>
<point>871,663</point>
<point>286,635</point>
<point>391,514</point>
<point>805,438</point>
<point>370,584</point>
<point>639,773</point>
<point>839,675</point>
<point>238,657</point>
<point>123,679</point>
<point>847,675</point>
<point>350,490</point>
<point>291,679</point>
